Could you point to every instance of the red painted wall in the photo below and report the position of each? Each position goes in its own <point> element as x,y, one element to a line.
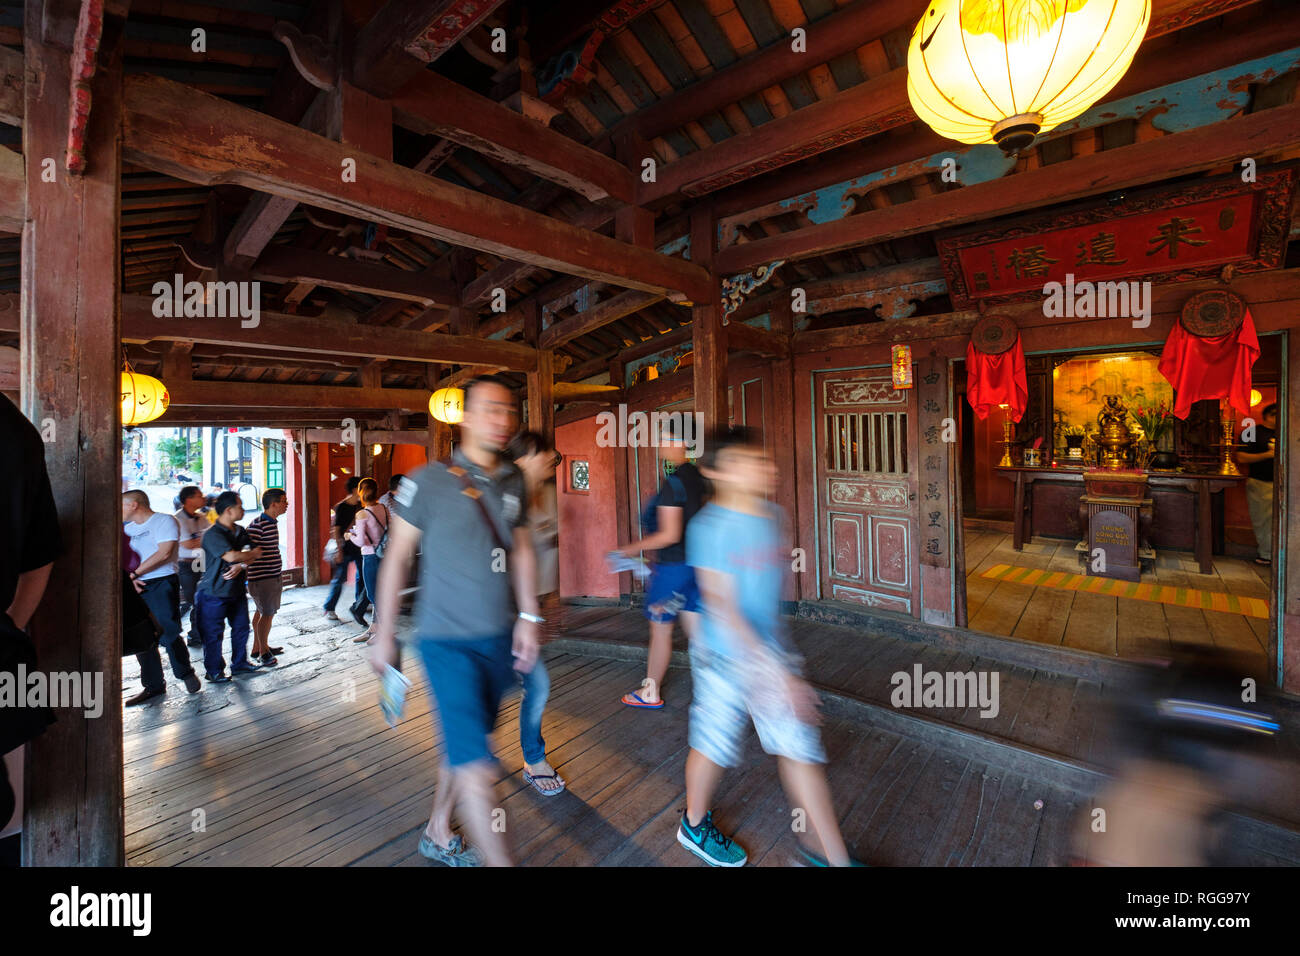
<point>408,459</point>
<point>992,491</point>
<point>291,533</point>
<point>587,529</point>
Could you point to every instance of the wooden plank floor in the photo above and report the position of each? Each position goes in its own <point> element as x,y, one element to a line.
<point>296,767</point>
<point>1101,623</point>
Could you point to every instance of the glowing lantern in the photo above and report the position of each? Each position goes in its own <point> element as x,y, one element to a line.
<point>1255,397</point>
<point>1003,71</point>
<point>902,366</point>
<point>144,398</point>
<point>377,450</point>
<point>447,405</point>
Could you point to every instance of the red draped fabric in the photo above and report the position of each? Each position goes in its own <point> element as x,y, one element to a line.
<point>993,380</point>
<point>1217,367</point>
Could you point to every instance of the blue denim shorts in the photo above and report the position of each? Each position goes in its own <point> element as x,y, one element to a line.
<point>672,589</point>
<point>469,677</point>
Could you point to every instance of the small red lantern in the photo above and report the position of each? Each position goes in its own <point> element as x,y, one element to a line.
<point>902,366</point>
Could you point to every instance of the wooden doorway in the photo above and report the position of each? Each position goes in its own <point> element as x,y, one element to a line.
<point>866,490</point>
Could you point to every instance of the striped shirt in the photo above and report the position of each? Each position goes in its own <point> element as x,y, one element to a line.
<point>264,532</point>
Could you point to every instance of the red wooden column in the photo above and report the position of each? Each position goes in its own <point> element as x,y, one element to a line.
<point>708,333</point>
<point>781,443</point>
<point>71,350</point>
<point>622,493</point>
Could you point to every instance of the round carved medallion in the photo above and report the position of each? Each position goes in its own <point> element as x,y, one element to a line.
<point>994,334</point>
<point>1216,312</point>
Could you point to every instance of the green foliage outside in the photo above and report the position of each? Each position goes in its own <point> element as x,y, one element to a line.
<point>172,452</point>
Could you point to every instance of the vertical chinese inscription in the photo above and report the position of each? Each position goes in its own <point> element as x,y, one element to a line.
<point>936,461</point>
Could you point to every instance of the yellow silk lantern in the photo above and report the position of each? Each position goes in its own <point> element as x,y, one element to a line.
<point>1003,71</point>
<point>447,405</point>
<point>144,398</point>
<point>902,366</point>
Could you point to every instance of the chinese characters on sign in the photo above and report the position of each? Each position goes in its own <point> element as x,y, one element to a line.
<point>932,400</point>
<point>1187,230</point>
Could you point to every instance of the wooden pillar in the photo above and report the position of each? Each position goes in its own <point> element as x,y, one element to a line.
<point>309,508</point>
<point>781,440</point>
<point>622,493</point>
<point>71,353</point>
<point>709,336</point>
<point>1286,583</point>
<point>541,383</point>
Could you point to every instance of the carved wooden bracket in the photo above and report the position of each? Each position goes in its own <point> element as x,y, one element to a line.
<point>310,54</point>
<point>735,288</point>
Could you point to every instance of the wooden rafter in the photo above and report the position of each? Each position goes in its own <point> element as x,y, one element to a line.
<point>405,36</point>
<point>200,138</point>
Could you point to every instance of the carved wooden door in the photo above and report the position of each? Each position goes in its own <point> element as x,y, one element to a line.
<point>866,490</point>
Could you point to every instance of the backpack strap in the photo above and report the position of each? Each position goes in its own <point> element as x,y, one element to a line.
<point>467,488</point>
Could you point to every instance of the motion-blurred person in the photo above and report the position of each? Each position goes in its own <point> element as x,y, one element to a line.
<point>537,460</point>
<point>741,666</point>
<point>475,625</point>
<point>347,554</point>
<point>221,593</point>
<point>154,537</point>
<point>193,523</point>
<point>264,573</point>
<point>32,543</point>
<point>1187,739</point>
<point>672,590</point>
<point>369,532</point>
<point>389,498</point>
<point>1258,457</point>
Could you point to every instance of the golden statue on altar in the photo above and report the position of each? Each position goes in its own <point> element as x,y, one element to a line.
<point>1114,440</point>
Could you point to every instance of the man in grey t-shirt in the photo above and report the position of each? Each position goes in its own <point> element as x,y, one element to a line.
<point>476,613</point>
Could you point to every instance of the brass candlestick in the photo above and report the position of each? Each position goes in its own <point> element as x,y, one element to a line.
<point>1007,442</point>
<point>1228,420</point>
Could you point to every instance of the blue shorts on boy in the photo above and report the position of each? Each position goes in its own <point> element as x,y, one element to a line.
<point>746,547</point>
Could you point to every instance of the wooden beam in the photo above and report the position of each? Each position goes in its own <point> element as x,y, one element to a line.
<point>747,338</point>
<point>13,191</point>
<point>598,316</point>
<point>542,396</point>
<point>404,37</point>
<point>292,333</point>
<point>71,269</point>
<point>435,105</point>
<point>277,395</point>
<point>1221,144</point>
<point>283,263</point>
<point>186,133</point>
<point>256,226</point>
<point>11,86</point>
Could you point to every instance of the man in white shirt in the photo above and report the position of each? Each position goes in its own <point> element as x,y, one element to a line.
<point>154,539</point>
<point>193,523</point>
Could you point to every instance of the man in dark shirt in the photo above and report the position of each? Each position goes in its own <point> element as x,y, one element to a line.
<point>1258,457</point>
<point>672,589</point>
<point>347,554</point>
<point>221,594</point>
<point>27,510</point>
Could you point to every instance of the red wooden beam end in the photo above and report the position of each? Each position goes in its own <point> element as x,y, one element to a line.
<point>85,46</point>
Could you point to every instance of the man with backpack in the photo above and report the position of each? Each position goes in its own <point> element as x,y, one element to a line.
<point>672,590</point>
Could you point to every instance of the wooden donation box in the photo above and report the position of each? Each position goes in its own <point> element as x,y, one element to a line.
<point>1115,513</point>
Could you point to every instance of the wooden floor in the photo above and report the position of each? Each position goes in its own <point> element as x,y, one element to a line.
<point>1102,623</point>
<point>296,767</point>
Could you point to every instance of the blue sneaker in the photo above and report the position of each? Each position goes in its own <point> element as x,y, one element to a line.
<point>244,669</point>
<point>457,854</point>
<point>809,858</point>
<point>708,843</point>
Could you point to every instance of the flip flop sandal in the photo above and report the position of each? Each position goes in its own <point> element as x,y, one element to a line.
<point>532,779</point>
<point>634,700</point>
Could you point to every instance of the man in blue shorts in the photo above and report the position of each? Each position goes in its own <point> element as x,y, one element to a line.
<point>671,591</point>
<point>476,614</point>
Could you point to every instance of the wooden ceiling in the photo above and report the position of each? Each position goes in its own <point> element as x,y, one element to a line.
<point>710,89</point>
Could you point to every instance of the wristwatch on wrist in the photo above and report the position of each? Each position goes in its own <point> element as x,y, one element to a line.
<point>533,618</point>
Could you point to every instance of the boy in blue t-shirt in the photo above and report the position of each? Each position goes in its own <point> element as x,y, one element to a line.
<point>741,666</point>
